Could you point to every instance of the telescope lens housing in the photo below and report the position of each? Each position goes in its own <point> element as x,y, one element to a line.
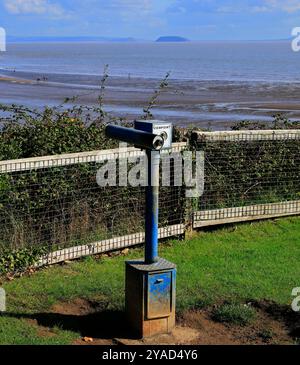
<point>139,139</point>
<point>158,143</point>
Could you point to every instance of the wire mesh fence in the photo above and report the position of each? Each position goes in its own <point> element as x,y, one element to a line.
<point>248,175</point>
<point>55,205</point>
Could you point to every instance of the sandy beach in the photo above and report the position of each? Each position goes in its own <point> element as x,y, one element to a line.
<point>214,104</point>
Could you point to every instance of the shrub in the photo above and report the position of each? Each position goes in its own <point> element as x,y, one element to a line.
<point>19,260</point>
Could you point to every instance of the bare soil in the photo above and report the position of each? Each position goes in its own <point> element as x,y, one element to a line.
<point>274,324</point>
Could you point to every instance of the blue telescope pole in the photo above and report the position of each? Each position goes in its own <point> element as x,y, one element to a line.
<point>152,193</point>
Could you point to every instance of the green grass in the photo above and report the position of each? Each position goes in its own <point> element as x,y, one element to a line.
<point>21,332</point>
<point>248,262</point>
<point>266,334</point>
<point>236,313</point>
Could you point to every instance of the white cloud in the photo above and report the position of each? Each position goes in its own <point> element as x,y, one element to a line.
<point>129,8</point>
<point>39,7</point>
<point>288,6</point>
<point>266,6</point>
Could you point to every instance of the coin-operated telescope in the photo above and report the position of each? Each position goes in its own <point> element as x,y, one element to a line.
<point>153,136</point>
<point>150,282</point>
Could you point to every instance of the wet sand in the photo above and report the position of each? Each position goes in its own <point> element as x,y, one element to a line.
<point>215,104</point>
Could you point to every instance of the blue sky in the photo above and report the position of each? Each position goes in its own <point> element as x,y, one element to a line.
<point>148,19</point>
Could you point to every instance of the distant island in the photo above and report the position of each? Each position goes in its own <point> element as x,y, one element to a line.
<point>172,39</point>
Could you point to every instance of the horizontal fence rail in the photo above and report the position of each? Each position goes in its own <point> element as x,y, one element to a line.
<point>44,162</point>
<point>252,135</point>
<point>248,213</point>
<point>112,244</point>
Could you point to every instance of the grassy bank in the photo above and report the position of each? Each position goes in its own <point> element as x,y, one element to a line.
<point>246,262</point>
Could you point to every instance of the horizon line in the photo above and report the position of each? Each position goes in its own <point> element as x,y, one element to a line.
<point>21,39</point>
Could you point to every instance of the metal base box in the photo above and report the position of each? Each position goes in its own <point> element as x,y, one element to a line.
<point>150,297</point>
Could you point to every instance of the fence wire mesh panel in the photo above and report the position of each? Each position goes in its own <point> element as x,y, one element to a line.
<point>248,175</point>
<point>55,205</point>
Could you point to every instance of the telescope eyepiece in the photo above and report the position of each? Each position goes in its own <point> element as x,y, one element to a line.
<point>158,143</point>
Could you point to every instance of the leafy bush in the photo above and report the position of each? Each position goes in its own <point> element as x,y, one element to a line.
<point>53,131</point>
<point>19,260</point>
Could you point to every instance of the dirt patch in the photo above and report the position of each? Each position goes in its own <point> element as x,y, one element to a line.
<point>77,307</point>
<point>281,314</point>
<point>264,330</point>
<point>273,324</point>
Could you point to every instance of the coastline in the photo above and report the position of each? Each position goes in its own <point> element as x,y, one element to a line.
<point>214,104</point>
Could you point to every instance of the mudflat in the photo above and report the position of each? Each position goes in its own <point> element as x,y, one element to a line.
<point>214,104</point>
